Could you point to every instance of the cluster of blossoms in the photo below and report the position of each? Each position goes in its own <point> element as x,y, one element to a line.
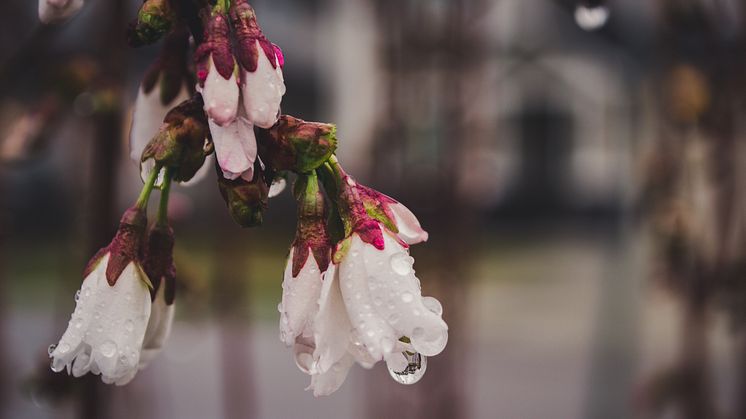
<point>350,293</point>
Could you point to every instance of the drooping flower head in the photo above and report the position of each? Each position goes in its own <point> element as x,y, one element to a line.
<point>262,83</point>
<point>155,19</point>
<point>106,330</point>
<point>216,68</point>
<point>246,200</point>
<point>310,256</point>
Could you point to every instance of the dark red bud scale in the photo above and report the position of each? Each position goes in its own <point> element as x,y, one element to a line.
<point>124,248</point>
<point>248,33</point>
<point>216,45</point>
<point>159,261</point>
<point>311,236</point>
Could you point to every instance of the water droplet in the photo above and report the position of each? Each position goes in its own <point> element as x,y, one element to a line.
<point>108,349</point>
<point>51,349</point>
<point>433,305</point>
<point>401,264</point>
<point>77,296</point>
<point>394,318</point>
<point>377,301</point>
<point>591,18</point>
<point>57,366</point>
<point>358,295</point>
<point>63,348</point>
<point>78,323</point>
<point>278,185</point>
<point>87,292</point>
<point>414,371</point>
<point>279,307</point>
<point>371,333</point>
<point>416,311</point>
<point>129,325</point>
<point>407,297</point>
<point>418,333</point>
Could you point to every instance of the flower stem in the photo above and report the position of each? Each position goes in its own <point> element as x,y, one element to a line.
<point>142,200</point>
<point>162,219</point>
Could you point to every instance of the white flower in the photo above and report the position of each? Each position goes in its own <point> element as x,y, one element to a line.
<point>55,10</point>
<point>106,331</point>
<point>262,91</point>
<point>384,302</point>
<point>220,95</point>
<point>235,148</point>
<point>159,326</point>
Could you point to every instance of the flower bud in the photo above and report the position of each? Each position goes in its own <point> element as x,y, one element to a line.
<point>159,261</point>
<point>216,46</point>
<point>297,145</point>
<point>246,200</point>
<point>170,72</point>
<point>311,236</point>
<point>155,19</point>
<point>248,34</point>
<point>180,143</point>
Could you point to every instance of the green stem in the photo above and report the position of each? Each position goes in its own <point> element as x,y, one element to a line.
<point>142,200</point>
<point>162,219</point>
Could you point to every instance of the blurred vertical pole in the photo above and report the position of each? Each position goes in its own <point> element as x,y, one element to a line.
<point>231,304</point>
<point>3,338</point>
<point>105,158</point>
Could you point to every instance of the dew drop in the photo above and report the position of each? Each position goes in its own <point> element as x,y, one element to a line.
<point>394,318</point>
<point>77,296</point>
<point>407,297</point>
<point>433,305</point>
<point>401,264</point>
<point>371,333</point>
<point>78,323</point>
<point>51,348</point>
<point>414,371</point>
<point>63,348</point>
<point>377,301</point>
<point>108,349</point>
<point>129,325</point>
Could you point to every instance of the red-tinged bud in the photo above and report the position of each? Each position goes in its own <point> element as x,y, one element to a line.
<point>124,248</point>
<point>180,143</point>
<point>311,236</point>
<point>159,261</point>
<point>246,201</point>
<point>155,19</point>
<point>248,34</point>
<point>296,145</point>
<point>216,46</point>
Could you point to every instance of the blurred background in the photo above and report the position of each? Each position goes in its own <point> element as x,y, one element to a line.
<point>580,166</point>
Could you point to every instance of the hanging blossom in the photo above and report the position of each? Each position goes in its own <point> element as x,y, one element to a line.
<point>366,306</point>
<point>106,330</point>
<point>57,10</point>
<point>350,293</point>
<point>238,96</point>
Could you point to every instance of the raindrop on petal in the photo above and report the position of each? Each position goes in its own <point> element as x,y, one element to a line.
<point>401,264</point>
<point>77,296</point>
<point>51,349</point>
<point>433,305</point>
<point>415,370</point>
<point>108,349</point>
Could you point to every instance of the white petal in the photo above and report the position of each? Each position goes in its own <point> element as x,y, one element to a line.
<point>159,327</point>
<point>108,325</point>
<point>147,119</point>
<point>235,147</point>
<point>220,96</point>
<point>262,92</point>
<point>396,296</point>
<point>324,384</point>
<point>332,324</point>
<point>55,10</point>
<point>372,330</point>
<point>300,296</point>
<point>410,230</point>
